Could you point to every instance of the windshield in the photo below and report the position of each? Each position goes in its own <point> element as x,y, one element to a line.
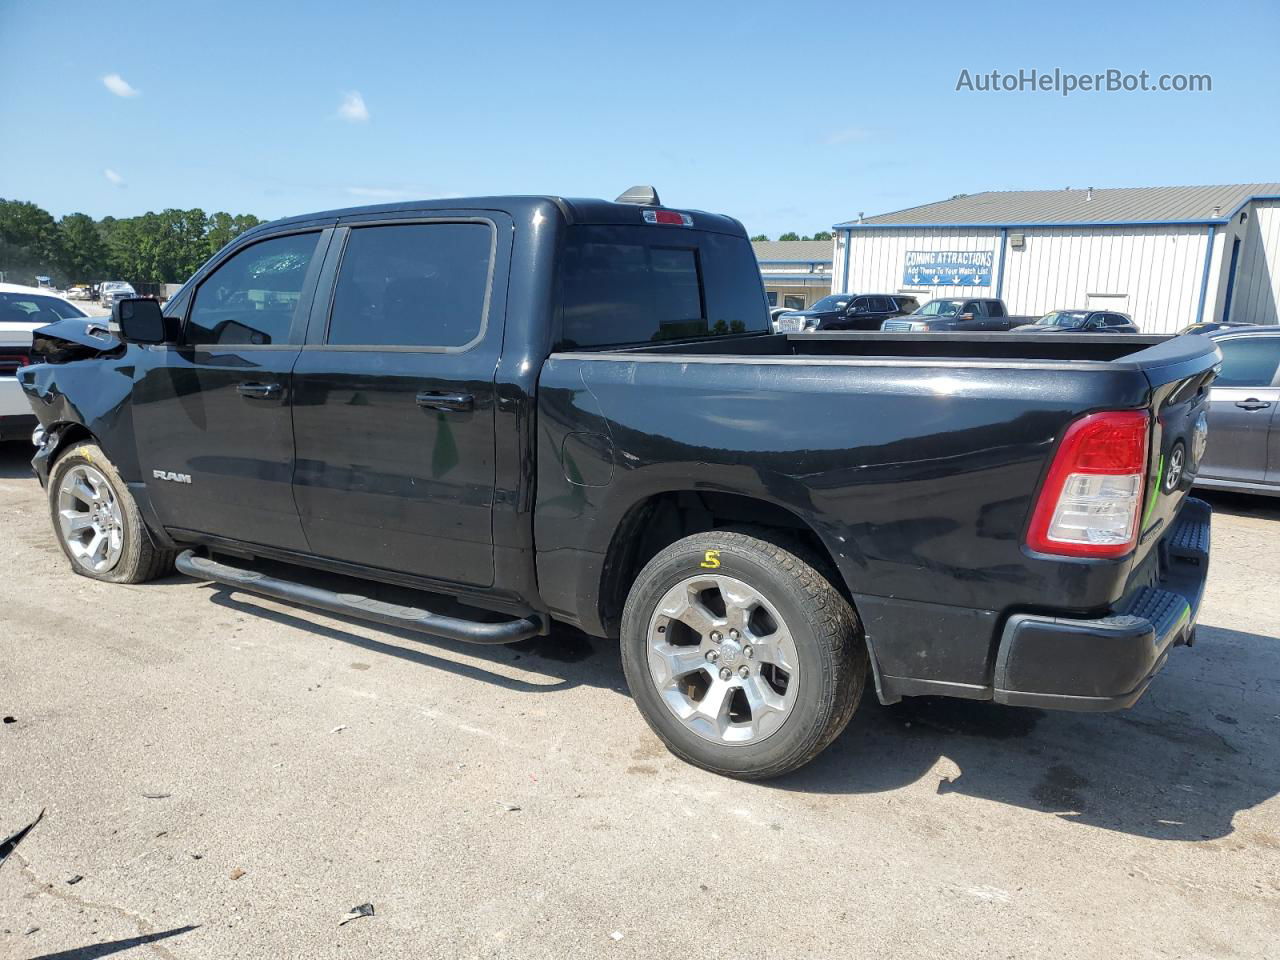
<point>830,303</point>
<point>1067,319</point>
<point>940,308</point>
<point>35,308</point>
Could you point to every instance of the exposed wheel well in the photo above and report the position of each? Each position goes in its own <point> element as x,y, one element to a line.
<point>69,434</point>
<point>661,520</point>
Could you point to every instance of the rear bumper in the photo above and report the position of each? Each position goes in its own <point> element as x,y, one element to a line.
<point>1108,663</point>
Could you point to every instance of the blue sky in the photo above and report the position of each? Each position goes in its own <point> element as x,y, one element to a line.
<point>788,116</point>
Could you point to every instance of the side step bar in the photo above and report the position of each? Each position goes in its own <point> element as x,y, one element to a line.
<point>353,605</point>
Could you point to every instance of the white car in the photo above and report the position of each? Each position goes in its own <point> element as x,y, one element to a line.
<point>22,310</point>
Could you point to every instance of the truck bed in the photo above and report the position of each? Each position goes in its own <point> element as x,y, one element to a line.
<point>915,457</point>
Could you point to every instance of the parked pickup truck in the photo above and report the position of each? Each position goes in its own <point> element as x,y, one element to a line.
<point>985,315</point>
<point>575,411</point>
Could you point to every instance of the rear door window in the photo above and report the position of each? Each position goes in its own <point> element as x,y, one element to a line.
<point>420,285</point>
<point>629,285</point>
<point>1248,361</point>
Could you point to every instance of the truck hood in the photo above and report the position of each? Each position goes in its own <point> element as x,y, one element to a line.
<point>76,338</point>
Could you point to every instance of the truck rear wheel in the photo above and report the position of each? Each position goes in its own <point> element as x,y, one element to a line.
<point>741,656</point>
<point>97,521</point>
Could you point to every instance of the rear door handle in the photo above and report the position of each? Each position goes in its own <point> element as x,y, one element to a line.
<point>1253,404</point>
<point>449,402</point>
<point>258,391</point>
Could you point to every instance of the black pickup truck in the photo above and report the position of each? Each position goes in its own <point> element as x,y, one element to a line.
<point>982,315</point>
<point>573,410</point>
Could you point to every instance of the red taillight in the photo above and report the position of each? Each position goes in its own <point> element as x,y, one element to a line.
<point>11,362</point>
<point>1088,506</point>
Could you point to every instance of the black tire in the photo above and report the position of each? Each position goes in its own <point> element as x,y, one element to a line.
<point>140,559</point>
<point>832,657</point>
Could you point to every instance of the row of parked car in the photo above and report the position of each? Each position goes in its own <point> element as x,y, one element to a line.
<point>107,292</point>
<point>903,314</point>
<point>1244,454</point>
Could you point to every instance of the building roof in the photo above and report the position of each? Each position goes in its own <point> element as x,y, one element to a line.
<point>1125,205</point>
<point>802,251</point>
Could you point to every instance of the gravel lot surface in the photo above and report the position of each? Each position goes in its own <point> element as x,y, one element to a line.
<point>230,776</point>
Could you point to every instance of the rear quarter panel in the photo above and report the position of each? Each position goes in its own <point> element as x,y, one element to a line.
<point>918,477</point>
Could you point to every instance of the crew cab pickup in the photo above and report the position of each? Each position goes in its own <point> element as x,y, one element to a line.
<point>985,315</point>
<point>544,410</point>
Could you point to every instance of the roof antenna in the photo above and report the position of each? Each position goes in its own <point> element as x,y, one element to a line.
<point>641,194</point>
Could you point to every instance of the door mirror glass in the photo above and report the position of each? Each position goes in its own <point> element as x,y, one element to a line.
<point>966,316</point>
<point>138,321</point>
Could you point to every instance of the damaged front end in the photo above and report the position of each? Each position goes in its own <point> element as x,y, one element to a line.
<point>73,339</point>
<point>71,397</point>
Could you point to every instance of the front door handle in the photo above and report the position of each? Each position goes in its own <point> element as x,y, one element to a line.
<point>258,391</point>
<point>1253,404</point>
<point>449,402</point>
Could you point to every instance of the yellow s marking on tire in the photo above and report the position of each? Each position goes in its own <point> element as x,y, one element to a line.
<point>711,559</point>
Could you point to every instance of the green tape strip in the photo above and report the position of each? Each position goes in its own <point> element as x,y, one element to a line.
<point>1155,493</point>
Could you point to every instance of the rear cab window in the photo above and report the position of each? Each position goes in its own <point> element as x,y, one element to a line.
<point>629,285</point>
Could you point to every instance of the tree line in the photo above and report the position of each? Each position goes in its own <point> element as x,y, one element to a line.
<point>164,247</point>
<point>820,235</point>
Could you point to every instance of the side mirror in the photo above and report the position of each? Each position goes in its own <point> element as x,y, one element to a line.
<point>966,316</point>
<point>139,320</point>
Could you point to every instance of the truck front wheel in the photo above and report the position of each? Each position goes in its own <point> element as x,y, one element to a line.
<point>97,521</point>
<point>741,656</point>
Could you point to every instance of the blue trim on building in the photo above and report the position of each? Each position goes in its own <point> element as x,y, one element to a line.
<point>1204,277</point>
<point>1004,245</point>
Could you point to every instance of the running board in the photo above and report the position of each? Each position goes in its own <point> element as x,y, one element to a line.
<point>353,605</point>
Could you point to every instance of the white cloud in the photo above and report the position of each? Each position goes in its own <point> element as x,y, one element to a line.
<point>119,85</point>
<point>352,108</point>
<point>848,135</point>
<point>113,178</point>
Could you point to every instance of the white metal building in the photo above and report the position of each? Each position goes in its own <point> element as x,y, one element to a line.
<point>1167,256</point>
<point>796,273</point>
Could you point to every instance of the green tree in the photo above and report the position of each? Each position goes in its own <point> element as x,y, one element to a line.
<point>164,247</point>
<point>760,238</point>
<point>223,228</point>
<point>790,236</point>
<point>822,235</point>
<point>30,244</point>
<point>84,254</point>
